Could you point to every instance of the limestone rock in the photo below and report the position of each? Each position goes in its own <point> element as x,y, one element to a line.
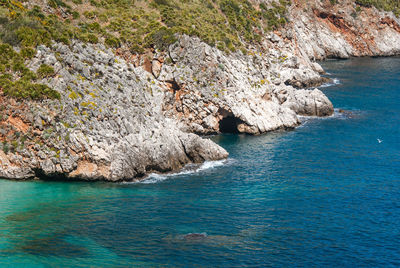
<point>335,33</point>
<point>238,88</point>
<point>310,102</point>
<point>108,125</point>
<point>156,68</point>
<point>120,120</point>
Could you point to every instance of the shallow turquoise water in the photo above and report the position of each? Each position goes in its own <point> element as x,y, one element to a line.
<point>325,194</point>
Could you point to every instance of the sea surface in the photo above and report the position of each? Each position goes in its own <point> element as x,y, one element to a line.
<point>326,194</point>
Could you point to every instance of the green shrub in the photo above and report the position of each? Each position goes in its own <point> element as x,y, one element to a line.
<point>161,2</point>
<point>28,52</point>
<point>90,14</point>
<point>92,38</point>
<point>162,38</point>
<point>36,12</point>
<point>45,71</point>
<point>24,86</point>
<point>75,15</point>
<point>19,66</point>
<point>24,89</point>
<point>112,41</point>
<point>56,3</point>
<point>5,147</point>
<point>14,145</point>
<point>31,37</point>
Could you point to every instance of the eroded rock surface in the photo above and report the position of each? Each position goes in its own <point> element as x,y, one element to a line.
<point>108,125</point>
<point>211,92</point>
<point>122,116</point>
<point>118,120</point>
<point>323,30</point>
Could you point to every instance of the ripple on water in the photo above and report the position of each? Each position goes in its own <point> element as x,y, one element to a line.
<point>187,170</point>
<point>335,81</point>
<point>325,194</point>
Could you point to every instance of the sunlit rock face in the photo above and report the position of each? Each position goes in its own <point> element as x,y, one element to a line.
<point>122,116</point>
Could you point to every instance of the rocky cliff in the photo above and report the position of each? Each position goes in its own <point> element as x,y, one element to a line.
<point>323,30</point>
<point>120,115</point>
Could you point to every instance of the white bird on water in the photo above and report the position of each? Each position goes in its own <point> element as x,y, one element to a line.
<point>379,140</point>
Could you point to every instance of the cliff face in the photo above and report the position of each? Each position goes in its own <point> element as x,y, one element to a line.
<point>343,30</point>
<point>121,116</point>
<point>213,92</point>
<point>108,124</point>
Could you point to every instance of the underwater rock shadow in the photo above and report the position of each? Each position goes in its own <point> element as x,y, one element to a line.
<point>52,245</point>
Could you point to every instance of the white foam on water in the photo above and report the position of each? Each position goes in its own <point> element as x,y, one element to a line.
<point>154,178</point>
<point>336,115</point>
<point>305,118</point>
<point>189,169</point>
<point>211,164</point>
<point>335,81</point>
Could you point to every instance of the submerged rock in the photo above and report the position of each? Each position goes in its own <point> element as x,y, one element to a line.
<point>347,113</point>
<point>195,236</point>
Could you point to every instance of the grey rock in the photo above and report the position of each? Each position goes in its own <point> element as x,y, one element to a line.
<point>118,122</point>
<point>156,68</point>
<point>208,100</point>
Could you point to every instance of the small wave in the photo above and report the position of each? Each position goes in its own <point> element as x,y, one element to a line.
<point>338,113</point>
<point>335,81</point>
<point>211,164</point>
<point>305,118</point>
<point>188,169</point>
<point>154,178</point>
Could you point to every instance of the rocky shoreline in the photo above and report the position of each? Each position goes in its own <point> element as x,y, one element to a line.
<point>118,121</point>
<point>122,116</point>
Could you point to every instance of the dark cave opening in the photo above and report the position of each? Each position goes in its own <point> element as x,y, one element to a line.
<point>229,124</point>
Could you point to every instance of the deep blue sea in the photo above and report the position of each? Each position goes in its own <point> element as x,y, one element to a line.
<point>326,194</point>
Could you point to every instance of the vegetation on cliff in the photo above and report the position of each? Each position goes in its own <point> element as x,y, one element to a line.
<point>137,25</point>
<point>227,24</point>
<point>17,80</point>
<point>134,24</point>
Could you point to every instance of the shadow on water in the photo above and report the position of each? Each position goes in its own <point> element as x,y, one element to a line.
<point>40,229</point>
<point>52,245</point>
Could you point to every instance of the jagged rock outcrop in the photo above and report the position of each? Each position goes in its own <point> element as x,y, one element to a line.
<point>323,30</point>
<point>122,116</point>
<point>108,124</point>
<point>118,120</point>
<point>211,92</point>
